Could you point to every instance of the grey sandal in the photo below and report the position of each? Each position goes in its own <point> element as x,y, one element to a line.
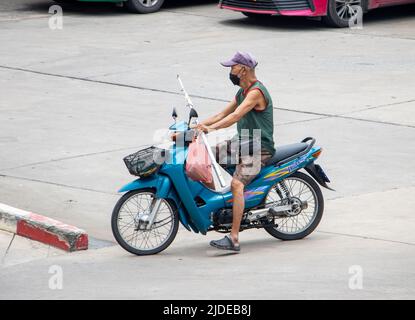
<point>225,243</point>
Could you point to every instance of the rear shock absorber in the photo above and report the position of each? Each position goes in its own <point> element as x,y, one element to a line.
<point>284,188</point>
<point>278,191</point>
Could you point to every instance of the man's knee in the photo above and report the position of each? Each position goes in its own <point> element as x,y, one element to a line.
<point>237,186</point>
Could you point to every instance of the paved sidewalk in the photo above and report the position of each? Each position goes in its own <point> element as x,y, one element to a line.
<point>353,240</point>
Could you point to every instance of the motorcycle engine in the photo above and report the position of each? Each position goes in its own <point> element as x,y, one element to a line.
<point>223,216</point>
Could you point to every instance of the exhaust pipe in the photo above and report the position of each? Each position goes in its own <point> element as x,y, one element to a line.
<point>279,211</point>
<point>260,213</point>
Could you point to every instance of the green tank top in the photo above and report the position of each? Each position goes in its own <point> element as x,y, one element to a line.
<point>258,119</point>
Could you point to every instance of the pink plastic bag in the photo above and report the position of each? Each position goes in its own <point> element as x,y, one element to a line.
<point>198,164</point>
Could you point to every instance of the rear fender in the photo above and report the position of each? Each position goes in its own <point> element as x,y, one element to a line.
<point>318,174</point>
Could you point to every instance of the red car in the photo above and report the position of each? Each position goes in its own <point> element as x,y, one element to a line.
<point>336,13</point>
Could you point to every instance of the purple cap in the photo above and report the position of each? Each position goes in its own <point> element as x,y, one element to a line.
<point>244,58</point>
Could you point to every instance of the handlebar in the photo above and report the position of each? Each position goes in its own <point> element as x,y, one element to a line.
<point>186,136</point>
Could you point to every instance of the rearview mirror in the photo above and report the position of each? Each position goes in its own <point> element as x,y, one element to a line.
<point>192,116</point>
<point>174,114</point>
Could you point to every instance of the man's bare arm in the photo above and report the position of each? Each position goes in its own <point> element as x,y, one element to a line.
<point>219,116</point>
<point>251,100</point>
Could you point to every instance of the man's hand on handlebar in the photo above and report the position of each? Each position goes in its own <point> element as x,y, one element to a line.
<point>203,128</point>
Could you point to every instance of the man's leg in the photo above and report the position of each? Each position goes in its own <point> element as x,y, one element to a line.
<point>245,172</point>
<point>237,188</point>
<point>231,242</point>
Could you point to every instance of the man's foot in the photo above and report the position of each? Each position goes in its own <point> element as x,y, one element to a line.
<point>226,243</point>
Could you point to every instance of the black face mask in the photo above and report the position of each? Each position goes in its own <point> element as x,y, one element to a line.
<point>235,79</point>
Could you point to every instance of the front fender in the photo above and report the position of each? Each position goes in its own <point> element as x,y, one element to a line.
<point>163,189</point>
<point>160,183</point>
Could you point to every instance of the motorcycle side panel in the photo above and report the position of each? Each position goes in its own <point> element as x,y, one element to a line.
<point>176,172</point>
<point>256,191</point>
<point>188,190</point>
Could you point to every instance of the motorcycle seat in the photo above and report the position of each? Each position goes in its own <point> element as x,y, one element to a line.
<point>280,154</point>
<point>286,151</point>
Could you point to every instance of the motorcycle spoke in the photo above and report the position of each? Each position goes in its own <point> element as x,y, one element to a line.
<point>130,236</point>
<point>125,227</point>
<point>128,220</point>
<point>127,210</point>
<point>298,191</point>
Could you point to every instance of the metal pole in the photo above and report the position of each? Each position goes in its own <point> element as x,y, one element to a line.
<point>204,139</point>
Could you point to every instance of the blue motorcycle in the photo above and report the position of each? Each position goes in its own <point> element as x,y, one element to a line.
<point>284,201</point>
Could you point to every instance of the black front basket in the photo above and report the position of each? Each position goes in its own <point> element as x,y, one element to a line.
<point>145,162</point>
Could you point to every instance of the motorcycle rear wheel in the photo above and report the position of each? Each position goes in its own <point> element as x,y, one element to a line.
<point>296,227</point>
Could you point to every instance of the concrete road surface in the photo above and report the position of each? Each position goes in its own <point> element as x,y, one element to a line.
<point>74,101</point>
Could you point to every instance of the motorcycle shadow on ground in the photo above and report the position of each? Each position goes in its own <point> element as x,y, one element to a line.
<point>248,247</point>
<point>286,23</point>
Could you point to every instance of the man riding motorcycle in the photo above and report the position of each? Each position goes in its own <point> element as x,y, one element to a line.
<point>252,110</point>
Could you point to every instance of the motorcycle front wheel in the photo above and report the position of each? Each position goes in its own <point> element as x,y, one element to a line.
<point>128,225</point>
<point>299,224</point>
